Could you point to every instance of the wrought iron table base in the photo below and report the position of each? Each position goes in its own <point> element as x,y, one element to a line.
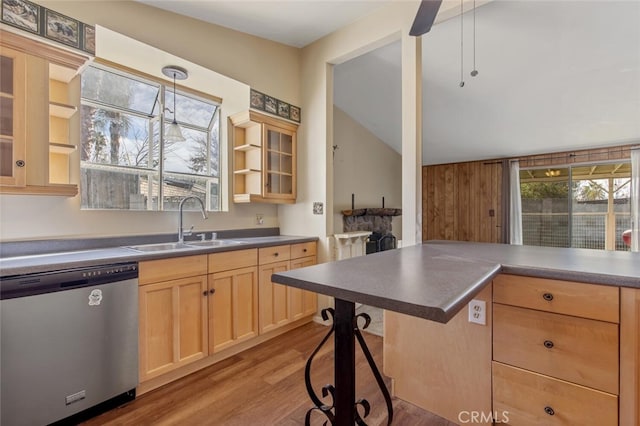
<point>344,409</point>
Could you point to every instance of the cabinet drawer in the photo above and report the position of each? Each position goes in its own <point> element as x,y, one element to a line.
<point>562,297</point>
<point>274,254</point>
<point>151,271</point>
<point>579,350</point>
<point>531,399</point>
<point>303,250</point>
<point>228,260</point>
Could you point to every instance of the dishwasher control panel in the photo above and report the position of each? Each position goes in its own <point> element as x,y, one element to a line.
<point>49,282</point>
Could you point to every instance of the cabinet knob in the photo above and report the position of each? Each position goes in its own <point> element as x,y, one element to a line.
<point>213,290</point>
<point>204,293</point>
<point>549,410</point>
<point>304,250</point>
<point>20,163</point>
<point>548,344</point>
<point>275,254</point>
<point>548,297</point>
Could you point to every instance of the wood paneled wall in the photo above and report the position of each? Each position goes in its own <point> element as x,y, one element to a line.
<point>462,201</point>
<point>457,199</point>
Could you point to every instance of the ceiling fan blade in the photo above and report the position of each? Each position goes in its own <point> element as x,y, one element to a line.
<point>424,18</point>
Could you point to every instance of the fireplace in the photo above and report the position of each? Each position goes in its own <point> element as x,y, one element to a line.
<point>375,220</point>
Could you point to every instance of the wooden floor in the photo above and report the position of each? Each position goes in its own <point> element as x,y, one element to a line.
<point>262,386</point>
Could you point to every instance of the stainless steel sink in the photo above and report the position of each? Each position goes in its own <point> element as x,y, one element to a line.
<point>214,243</point>
<point>162,247</point>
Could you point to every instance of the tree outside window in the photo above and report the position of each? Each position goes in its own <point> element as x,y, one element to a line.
<point>125,163</point>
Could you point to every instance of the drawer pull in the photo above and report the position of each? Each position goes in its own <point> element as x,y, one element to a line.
<point>304,250</point>
<point>275,254</point>
<point>548,344</point>
<point>548,297</point>
<point>213,290</point>
<point>549,410</point>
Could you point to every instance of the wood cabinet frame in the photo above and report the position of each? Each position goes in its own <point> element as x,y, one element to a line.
<point>248,133</point>
<point>35,118</point>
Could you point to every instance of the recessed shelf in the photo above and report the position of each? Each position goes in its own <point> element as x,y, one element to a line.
<point>247,147</point>
<point>246,171</point>
<point>57,109</point>
<point>60,73</point>
<point>61,148</point>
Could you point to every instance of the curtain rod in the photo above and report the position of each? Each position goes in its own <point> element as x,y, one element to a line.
<point>544,156</point>
<point>570,155</point>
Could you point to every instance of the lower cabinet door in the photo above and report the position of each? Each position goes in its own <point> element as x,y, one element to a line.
<point>173,325</point>
<point>301,302</point>
<point>578,350</point>
<point>274,301</point>
<point>524,398</point>
<point>233,307</point>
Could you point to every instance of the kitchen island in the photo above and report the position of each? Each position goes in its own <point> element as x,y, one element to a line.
<point>434,281</point>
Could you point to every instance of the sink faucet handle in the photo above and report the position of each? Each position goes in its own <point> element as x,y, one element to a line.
<point>214,235</point>
<point>188,232</point>
<point>202,236</point>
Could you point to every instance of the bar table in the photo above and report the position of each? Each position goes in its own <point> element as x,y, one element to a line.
<point>420,280</point>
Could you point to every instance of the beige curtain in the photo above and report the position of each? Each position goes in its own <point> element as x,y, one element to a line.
<point>635,199</point>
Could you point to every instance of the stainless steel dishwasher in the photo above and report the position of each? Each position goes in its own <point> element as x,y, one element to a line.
<point>68,342</point>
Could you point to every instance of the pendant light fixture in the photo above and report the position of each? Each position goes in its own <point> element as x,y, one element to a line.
<point>173,132</point>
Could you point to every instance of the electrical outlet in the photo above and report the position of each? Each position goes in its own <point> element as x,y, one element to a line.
<point>478,312</point>
<point>259,219</point>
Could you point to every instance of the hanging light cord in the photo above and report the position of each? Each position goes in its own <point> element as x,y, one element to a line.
<point>461,44</point>
<point>174,98</point>
<point>474,72</point>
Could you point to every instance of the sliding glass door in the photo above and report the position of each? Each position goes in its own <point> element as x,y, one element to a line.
<point>584,206</point>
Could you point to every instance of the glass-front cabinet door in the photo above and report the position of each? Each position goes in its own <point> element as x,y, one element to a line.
<point>12,117</point>
<point>279,173</point>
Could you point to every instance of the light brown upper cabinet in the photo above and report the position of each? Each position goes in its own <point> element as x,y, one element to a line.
<point>40,127</point>
<point>264,158</point>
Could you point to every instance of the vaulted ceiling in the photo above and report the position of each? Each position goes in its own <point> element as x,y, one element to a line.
<point>553,76</point>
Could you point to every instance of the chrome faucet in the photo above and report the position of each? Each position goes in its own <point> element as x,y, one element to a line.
<point>181,231</point>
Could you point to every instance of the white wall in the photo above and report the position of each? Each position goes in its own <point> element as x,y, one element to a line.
<point>391,22</point>
<point>365,166</point>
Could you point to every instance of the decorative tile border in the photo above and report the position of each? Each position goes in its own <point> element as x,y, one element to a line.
<point>46,23</point>
<point>274,106</point>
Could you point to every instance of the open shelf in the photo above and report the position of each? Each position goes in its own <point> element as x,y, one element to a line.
<point>247,147</point>
<point>246,171</point>
<point>58,109</point>
<point>61,148</point>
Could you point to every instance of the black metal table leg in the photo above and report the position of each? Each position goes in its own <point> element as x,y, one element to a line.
<point>343,409</point>
<point>345,363</point>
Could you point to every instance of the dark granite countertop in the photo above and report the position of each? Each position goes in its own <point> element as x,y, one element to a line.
<point>436,279</point>
<point>64,254</point>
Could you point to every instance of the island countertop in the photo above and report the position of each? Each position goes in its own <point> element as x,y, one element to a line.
<point>434,280</point>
